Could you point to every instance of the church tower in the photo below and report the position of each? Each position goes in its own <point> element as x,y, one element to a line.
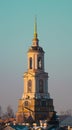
<point>35,103</point>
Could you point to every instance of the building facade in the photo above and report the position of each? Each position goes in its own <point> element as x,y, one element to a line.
<point>35,103</point>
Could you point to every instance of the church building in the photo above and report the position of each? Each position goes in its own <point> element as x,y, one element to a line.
<point>35,103</point>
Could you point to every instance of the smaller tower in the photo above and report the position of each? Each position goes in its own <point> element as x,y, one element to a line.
<point>35,103</point>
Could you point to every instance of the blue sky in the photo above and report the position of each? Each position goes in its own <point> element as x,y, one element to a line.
<point>54,26</point>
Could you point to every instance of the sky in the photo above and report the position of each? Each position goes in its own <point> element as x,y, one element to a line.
<point>54,28</point>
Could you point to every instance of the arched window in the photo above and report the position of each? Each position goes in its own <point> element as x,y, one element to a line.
<point>30,63</point>
<point>39,63</point>
<point>29,86</point>
<point>26,103</point>
<point>41,89</point>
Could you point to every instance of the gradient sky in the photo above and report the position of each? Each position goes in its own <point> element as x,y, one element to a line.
<point>54,27</point>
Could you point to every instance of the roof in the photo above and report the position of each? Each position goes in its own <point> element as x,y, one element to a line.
<point>19,127</point>
<point>67,121</point>
<point>8,128</point>
<point>16,127</point>
<point>36,49</point>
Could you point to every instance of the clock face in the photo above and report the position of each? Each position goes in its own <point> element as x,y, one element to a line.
<point>29,86</point>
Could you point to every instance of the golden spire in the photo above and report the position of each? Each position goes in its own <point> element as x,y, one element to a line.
<point>35,28</point>
<point>35,39</point>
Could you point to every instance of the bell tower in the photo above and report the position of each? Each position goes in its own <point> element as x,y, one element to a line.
<point>35,54</point>
<point>35,103</point>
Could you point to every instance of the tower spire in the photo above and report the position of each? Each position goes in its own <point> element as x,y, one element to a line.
<point>35,28</point>
<point>35,39</point>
